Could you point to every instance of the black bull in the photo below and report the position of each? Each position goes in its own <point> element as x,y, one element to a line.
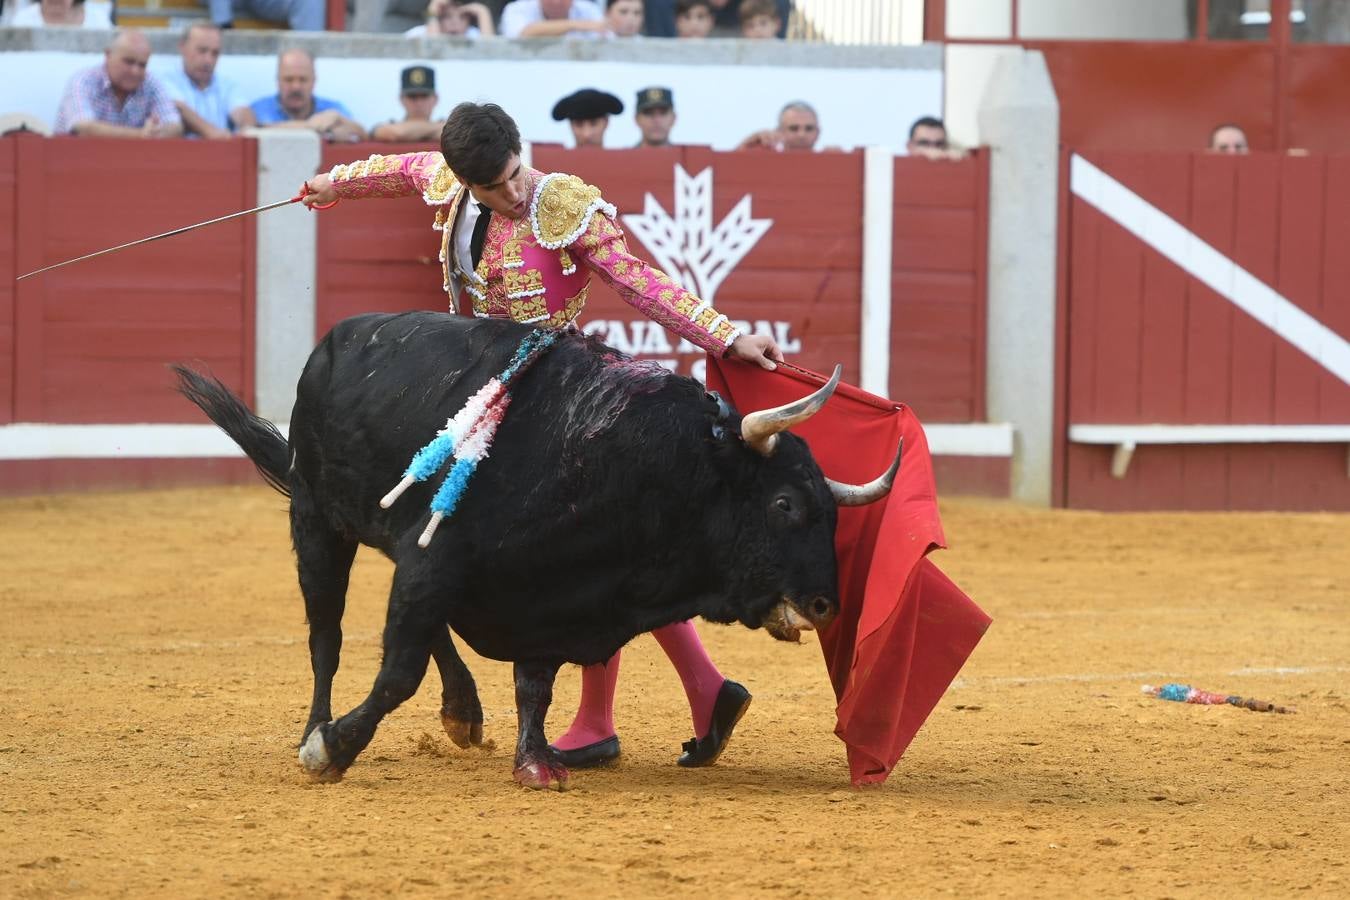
<point>617,498</point>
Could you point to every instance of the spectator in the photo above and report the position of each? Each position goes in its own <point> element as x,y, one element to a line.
<point>623,18</point>
<point>661,17</point>
<point>210,106</point>
<point>693,18</point>
<point>928,137</point>
<point>417,93</point>
<point>588,112</point>
<point>456,18</point>
<point>553,18</point>
<point>299,15</point>
<point>655,116</point>
<point>798,129</point>
<point>295,105</point>
<point>1228,138</point>
<point>118,98</point>
<point>64,12</point>
<point>759,20</point>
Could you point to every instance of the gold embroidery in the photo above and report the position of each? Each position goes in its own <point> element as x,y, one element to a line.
<point>685,305</point>
<point>519,283</point>
<point>442,184</point>
<point>565,260</point>
<point>563,208</point>
<point>621,267</point>
<point>571,309</point>
<point>511,251</point>
<point>378,165</point>
<point>640,284</point>
<point>666,295</point>
<point>529,308</point>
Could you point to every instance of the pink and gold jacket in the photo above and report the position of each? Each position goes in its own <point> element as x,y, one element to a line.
<point>537,269</point>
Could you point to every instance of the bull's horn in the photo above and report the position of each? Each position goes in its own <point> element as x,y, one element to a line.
<point>862,494</point>
<point>760,429</point>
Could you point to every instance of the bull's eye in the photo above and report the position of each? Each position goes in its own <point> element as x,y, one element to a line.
<point>783,504</point>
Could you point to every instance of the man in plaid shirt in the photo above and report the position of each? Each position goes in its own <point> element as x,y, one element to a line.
<point>118,98</point>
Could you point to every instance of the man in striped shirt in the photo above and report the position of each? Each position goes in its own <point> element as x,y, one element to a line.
<point>119,98</point>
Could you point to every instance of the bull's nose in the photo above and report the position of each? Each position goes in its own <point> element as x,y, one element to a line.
<point>821,612</point>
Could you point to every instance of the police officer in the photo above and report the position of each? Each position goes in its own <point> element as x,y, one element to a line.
<point>417,93</point>
<point>655,116</point>
<point>588,112</point>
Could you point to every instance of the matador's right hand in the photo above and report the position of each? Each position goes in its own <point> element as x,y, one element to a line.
<point>320,191</point>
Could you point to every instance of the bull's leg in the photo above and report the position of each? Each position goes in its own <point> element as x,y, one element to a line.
<point>324,560</point>
<point>536,767</point>
<point>461,713</point>
<point>414,621</point>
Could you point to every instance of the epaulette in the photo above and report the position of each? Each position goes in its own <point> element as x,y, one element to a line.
<point>441,186</point>
<point>562,208</point>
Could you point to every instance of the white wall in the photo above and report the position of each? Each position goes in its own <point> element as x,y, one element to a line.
<point>717,104</point>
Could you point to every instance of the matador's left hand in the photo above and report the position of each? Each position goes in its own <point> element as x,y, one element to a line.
<point>756,348</point>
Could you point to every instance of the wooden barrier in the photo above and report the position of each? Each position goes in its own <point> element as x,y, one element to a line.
<point>1208,291</point>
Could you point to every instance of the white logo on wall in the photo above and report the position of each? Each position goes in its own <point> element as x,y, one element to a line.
<point>687,246</point>
<point>698,256</point>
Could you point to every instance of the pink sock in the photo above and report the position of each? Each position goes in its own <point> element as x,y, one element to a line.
<point>595,714</point>
<point>701,679</point>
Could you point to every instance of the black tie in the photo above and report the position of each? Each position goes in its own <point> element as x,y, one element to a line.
<point>479,234</point>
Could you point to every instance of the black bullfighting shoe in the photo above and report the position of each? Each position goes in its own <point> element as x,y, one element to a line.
<point>732,702</point>
<point>589,756</point>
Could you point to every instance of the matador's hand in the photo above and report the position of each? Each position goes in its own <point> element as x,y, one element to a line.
<point>756,348</point>
<point>321,191</point>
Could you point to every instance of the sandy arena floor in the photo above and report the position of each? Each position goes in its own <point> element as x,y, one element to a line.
<point>152,649</point>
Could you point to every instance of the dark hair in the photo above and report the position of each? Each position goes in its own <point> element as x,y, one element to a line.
<point>752,8</point>
<point>925,122</point>
<point>477,141</point>
<point>682,7</point>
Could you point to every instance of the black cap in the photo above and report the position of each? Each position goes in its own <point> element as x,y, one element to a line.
<point>587,103</point>
<point>418,80</point>
<point>654,97</point>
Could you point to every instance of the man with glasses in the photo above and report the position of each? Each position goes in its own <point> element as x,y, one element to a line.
<point>798,129</point>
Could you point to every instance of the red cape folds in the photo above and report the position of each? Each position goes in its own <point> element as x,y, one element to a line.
<point>904,630</point>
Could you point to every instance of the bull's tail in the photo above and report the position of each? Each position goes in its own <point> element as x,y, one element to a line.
<point>256,436</point>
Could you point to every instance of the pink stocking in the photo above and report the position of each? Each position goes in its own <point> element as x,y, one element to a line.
<point>701,679</point>
<point>595,714</point>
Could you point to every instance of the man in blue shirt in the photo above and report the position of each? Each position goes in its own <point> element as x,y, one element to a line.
<point>210,106</point>
<point>295,104</point>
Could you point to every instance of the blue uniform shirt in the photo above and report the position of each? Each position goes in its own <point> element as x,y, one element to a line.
<point>268,110</point>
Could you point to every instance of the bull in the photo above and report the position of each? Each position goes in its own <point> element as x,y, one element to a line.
<point>617,498</point>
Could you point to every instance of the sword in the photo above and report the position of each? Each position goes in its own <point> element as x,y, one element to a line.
<point>304,192</point>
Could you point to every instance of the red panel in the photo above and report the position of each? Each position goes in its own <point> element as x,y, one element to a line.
<point>937,294</point>
<point>27,476</point>
<point>1209,317</point>
<point>8,270</point>
<point>1119,289</point>
<point>1140,95</point>
<point>1298,379</point>
<point>1083,302</point>
<point>1316,96</point>
<point>1254,248</point>
<point>98,334</point>
<point>1334,309</point>
<point>1238,476</point>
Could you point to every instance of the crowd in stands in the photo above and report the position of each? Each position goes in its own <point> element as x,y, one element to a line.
<point>119,98</point>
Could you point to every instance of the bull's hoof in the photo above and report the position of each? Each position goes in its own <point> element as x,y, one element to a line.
<point>540,775</point>
<point>465,734</point>
<point>316,761</point>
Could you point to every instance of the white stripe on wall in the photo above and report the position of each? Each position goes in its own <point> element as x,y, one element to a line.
<point>35,441</point>
<point>1197,258</point>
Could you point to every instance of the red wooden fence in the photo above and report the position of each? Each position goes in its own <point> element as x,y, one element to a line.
<point>1147,343</point>
<point>91,340</point>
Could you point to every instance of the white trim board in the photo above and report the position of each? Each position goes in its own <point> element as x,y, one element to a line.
<point>43,441</point>
<point>1221,274</point>
<point>1127,437</point>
